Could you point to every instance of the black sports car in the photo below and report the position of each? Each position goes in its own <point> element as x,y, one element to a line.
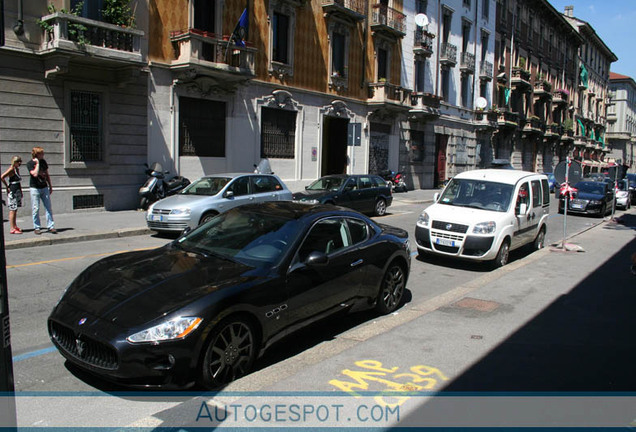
<point>591,197</point>
<point>203,307</point>
<point>362,192</point>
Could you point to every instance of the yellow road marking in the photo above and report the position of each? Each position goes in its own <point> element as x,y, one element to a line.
<point>76,258</point>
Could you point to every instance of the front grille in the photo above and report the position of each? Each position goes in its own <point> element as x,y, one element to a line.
<point>84,348</point>
<point>447,249</point>
<point>167,225</point>
<point>444,235</point>
<point>161,211</point>
<point>458,228</point>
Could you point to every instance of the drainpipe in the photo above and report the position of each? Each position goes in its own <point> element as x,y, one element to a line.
<point>173,126</point>
<point>18,27</point>
<point>475,56</point>
<point>438,72</point>
<point>364,46</point>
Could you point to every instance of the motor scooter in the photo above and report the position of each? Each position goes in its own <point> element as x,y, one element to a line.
<point>157,187</point>
<point>397,180</point>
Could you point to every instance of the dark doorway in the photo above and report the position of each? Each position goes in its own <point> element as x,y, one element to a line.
<point>334,146</point>
<point>441,142</point>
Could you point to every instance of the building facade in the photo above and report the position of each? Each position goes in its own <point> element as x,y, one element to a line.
<point>595,59</point>
<point>621,117</point>
<point>76,86</point>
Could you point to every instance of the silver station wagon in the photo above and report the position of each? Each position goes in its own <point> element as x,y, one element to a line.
<point>212,195</point>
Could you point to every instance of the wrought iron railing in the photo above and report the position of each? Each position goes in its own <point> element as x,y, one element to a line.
<point>485,69</point>
<point>357,6</point>
<point>448,53</point>
<point>386,16</point>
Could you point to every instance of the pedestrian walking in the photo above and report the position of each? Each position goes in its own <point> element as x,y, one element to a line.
<point>41,189</point>
<point>11,179</point>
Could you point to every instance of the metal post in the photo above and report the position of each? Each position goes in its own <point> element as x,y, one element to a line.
<point>614,192</point>
<point>7,396</point>
<point>566,202</point>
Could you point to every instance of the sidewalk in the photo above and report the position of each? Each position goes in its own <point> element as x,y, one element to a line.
<point>96,225</point>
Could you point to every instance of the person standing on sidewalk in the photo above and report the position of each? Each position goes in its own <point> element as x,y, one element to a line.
<point>14,191</point>
<point>41,189</point>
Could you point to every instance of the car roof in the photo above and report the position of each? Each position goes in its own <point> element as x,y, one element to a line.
<point>497,175</point>
<point>235,174</point>
<point>298,210</point>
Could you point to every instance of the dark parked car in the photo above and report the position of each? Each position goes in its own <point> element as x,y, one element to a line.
<point>632,185</point>
<point>591,197</point>
<point>365,193</point>
<point>203,307</point>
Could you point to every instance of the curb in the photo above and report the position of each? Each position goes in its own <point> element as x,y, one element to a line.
<point>19,244</point>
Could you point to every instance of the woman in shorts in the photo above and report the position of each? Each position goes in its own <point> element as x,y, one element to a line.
<point>11,179</point>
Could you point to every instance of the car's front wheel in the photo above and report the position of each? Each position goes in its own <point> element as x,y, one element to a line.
<point>392,289</point>
<point>503,254</point>
<point>230,353</point>
<point>380,207</point>
<point>207,217</point>
<point>539,241</point>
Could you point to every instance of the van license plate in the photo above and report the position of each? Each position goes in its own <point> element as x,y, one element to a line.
<point>156,218</point>
<point>577,206</point>
<point>445,242</point>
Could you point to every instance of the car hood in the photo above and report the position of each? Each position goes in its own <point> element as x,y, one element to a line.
<point>311,194</point>
<point>589,196</point>
<point>136,287</point>
<point>180,200</point>
<point>462,215</point>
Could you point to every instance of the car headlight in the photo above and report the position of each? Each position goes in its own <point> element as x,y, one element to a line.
<point>485,228</point>
<point>423,219</point>
<point>595,202</point>
<point>177,328</point>
<point>180,211</point>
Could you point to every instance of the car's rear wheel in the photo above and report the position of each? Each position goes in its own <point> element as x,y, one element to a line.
<point>539,241</point>
<point>144,203</point>
<point>392,289</point>
<point>502,256</point>
<point>380,207</point>
<point>230,353</point>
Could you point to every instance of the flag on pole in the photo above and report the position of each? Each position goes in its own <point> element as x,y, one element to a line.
<point>239,35</point>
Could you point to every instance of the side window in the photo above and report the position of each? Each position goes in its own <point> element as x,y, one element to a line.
<point>522,197</point>
<point>262,184</point>
<point>351,184</point>
<point>358,230</point>
<point>365,182</point>
<point>241,186</point>
<point>379,182</point>
<point>326,236</point>
<point>545,186</point>
<point>536,193</point>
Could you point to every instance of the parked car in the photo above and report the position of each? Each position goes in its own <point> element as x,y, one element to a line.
<point>600,177</point>
<point>211,195</point>
<point>205,306</point>
<point>590,197</point>
<point>365,193</point>
<point>631,178</point>
<point>623,195</point>
<point>484,214</point>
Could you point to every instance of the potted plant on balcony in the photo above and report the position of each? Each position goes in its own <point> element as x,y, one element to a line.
<point>118,12</point>
<point>568,126</point>
<point>75,30</point>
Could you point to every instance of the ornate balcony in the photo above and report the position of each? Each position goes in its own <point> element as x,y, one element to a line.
<point>423,43</point>
<point>87,41</point>
<point>520,78</point>
<point>543,89</point>
<point>388,20</point>
<point>388,96</point>
<point>560,97</point>
<point>611,117</point>
<point>448,54</point>
<point>485,71</point>
<point>467,63</point>
<point>508,120</point>
<point>424,106</point>
<point>202,54</point>
<point>553,131</point>
<point>534,125</point>
<point>568,136</point>
<point>349,9</point>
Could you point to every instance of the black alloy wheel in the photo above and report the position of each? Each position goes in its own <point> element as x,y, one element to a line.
<point>392,289</point>
<point>380,207</point>
<point>230,353</point>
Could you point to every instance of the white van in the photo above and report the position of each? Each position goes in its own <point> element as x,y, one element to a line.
<point>484,214</point>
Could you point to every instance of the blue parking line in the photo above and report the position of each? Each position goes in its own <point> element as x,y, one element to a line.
<point>33,354</point>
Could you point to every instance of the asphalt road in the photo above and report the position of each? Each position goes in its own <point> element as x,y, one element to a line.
<point>38,276</point>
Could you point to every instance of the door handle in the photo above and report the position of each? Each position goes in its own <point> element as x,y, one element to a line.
<point>357,263</point>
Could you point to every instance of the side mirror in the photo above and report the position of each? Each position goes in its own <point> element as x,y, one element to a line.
<point>228,194</point>
<point>317,259</point>
<point>436,197</point>
<point>523,208</point>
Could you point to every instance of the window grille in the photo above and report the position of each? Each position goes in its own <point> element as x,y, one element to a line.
<point>86,126</point>
<point>278,133</point>
<point>201,127</point>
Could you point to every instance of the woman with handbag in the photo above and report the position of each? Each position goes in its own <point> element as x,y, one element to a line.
<point>14,191</point>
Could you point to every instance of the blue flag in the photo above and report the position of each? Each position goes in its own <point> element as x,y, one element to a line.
<point>240,31</point>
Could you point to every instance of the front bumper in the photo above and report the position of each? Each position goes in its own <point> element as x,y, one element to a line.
<point>474,247</point>
<point>582,207</point>
<point>162,220</point>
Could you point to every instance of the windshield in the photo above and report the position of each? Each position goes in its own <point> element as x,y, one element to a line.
<point>478,194</point>
<point>247,236</point>
<point>327,183</point>
<point>591,187</point>
<point>207,186</point>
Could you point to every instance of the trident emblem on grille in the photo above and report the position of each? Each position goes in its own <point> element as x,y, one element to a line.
<point>448,227</point>
<point>80,345</point>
